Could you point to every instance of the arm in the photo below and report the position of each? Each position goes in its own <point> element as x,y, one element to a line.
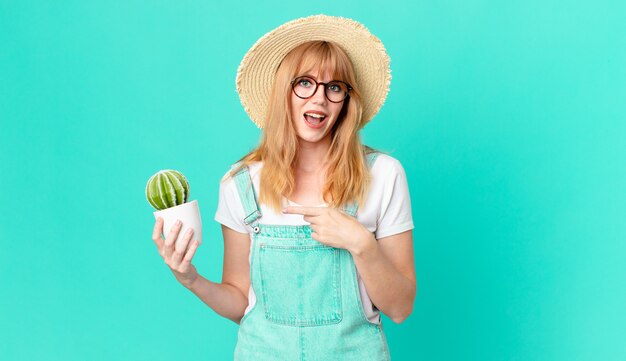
<point>230,298</point>
<point>387,268</point>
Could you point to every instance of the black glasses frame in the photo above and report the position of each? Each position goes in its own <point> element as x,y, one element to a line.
<point>317,84</point>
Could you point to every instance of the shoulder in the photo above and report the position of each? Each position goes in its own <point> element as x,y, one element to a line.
<point>386,166</point>
<point>228,185</point>
<point>253,169</point>
<point>387,177</point>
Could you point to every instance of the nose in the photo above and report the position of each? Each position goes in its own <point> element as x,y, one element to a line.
<point>319,96</point>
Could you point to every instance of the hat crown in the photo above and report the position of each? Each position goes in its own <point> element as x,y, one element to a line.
<point>367,53</point>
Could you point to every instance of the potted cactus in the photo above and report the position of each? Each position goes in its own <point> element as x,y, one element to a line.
<point>168,191</point>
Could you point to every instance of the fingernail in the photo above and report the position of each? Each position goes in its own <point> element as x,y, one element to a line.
<point>189,231</point>
<point>284,210</point>
<point>178,222</point>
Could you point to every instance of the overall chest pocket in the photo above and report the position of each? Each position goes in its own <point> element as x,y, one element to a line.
<point>301,284</point>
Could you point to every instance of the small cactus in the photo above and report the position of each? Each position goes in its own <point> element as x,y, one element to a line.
<point>166,189</point>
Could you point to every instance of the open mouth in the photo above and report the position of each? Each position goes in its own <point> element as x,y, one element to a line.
<point>314,120</point>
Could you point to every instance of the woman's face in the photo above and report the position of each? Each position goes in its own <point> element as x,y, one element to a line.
<point>314,117</point>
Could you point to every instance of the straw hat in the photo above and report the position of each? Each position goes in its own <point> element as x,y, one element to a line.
<point>367,53</point>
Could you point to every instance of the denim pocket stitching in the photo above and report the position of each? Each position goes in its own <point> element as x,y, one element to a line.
<point>333,316</point>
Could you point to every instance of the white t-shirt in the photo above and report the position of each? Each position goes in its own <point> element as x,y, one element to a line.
<point>387,211</point>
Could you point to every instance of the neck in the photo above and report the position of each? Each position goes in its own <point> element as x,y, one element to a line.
<point>312,156</point>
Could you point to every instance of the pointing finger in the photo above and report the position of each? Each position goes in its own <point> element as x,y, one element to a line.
<point>307,211</point>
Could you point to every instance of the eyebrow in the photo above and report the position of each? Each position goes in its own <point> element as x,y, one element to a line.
<point>311,76</point>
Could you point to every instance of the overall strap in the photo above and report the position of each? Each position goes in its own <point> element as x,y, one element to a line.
<point>248,197</point>
<point>370,158</point>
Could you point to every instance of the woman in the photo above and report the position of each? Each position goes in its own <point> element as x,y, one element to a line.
<point>327,244</point>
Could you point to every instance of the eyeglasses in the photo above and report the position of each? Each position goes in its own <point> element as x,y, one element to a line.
<point>335,90</point>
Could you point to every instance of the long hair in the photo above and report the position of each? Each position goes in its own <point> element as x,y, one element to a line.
<point>347,176</point>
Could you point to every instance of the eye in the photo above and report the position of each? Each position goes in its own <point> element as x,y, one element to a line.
<point>335,87</point>
<point>304,82</point>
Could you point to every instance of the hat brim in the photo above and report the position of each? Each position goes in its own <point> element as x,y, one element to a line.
<point>367,53</point>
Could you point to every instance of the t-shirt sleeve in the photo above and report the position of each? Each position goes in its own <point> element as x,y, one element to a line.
<point>395,212</point>
<point>229,208</point>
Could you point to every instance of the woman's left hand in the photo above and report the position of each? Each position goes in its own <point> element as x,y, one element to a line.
<point>334,227</point>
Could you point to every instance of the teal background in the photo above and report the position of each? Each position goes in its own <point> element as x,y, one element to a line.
<point>509,118</point>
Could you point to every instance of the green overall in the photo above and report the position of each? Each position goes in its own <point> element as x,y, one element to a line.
<point>308,305</point>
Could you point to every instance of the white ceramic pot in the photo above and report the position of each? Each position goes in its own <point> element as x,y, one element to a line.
<point>188,213</point>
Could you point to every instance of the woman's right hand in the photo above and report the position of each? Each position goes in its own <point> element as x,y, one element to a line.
<point>177,255</point>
